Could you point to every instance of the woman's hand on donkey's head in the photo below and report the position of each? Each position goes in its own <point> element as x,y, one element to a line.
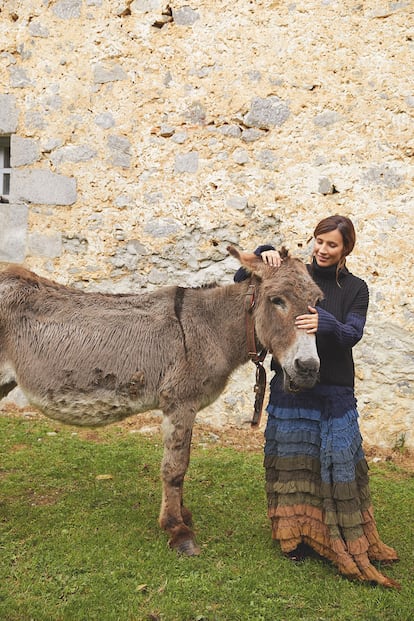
<point>272,258</point>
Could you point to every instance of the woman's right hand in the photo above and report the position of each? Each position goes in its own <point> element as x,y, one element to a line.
<point>272,258</point>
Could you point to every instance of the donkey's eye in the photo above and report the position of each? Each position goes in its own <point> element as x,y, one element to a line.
<point>278,301</point>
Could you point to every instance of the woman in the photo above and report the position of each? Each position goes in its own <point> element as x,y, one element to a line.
<point>316,473</point>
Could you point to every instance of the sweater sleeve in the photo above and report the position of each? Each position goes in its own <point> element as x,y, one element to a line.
<point>242,273</point>
<point>348,333</point>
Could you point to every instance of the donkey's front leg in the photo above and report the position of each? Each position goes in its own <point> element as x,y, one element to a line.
<point>174,517</point>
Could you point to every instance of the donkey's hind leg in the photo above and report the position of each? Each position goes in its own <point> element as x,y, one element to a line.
<point>174,517</point>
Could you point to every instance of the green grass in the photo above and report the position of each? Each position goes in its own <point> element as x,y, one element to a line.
<point>74,547</point>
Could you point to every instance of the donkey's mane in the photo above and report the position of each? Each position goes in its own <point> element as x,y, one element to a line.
<point>207,285</point>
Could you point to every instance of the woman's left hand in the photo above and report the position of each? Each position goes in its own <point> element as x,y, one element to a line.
<point>271,257</point>
<point>308,322</point>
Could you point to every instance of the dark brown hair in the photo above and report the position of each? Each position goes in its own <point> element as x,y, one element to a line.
<point>347,230</point>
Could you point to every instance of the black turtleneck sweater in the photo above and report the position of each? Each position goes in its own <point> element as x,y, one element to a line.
<point>341,320</point>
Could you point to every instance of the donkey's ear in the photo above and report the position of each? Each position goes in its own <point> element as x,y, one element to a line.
<point>250,261</point>
<point>284,253</point>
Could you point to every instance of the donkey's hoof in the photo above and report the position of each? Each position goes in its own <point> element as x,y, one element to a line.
<point>187,547</point>
<point>182,539</point>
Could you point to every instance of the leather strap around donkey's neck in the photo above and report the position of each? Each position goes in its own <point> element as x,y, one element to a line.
<point>254,355</point>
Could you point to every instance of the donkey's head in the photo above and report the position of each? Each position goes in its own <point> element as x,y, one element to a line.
<point>281,295</point>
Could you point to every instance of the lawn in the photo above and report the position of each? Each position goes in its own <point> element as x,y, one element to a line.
<point>80,539</point>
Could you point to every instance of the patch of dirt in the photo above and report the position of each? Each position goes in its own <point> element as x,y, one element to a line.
<point>251,439</point>
<point>244,439</point>
<point>35,499</point>
<point>402,458</point>
<point>241,439</point>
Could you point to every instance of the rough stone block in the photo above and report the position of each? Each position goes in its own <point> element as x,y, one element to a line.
<point>241,156</point>
<point>144,6</point>
<point>105,120</point>
<point>23,151</point>
<point>186,16</point>
<point>9,114</point>
<point>103,74</point>
<point>37,29</point>
<point>237,202</point>
<point>71,153</point>
<point>13,232</point>
<point>267,113</point>
<point>233,131</point>
<point>35,120</point>
<point>186,162</point>
<point>45,245</point>
<point>383,175</point>
<point>19,78</point>
<point>325,186</point>
<point>42,187</point>
<point>121,151</point>
<point>251,135</point>
<point>326,118</point>
<point>68,9</point>
<point>163,227</point>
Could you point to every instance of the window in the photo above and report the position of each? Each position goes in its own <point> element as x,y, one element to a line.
<point>4,169</point>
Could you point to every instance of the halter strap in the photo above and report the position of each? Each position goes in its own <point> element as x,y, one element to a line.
<point>254,355</point>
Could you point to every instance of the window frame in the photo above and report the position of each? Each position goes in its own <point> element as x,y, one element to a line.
<point>5,168</point>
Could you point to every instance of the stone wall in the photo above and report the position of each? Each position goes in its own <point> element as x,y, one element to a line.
<point>146,136</point>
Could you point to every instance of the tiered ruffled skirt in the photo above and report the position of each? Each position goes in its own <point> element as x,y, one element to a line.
<point>317,480</point>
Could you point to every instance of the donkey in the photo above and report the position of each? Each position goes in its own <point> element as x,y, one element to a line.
<point>91,359</point>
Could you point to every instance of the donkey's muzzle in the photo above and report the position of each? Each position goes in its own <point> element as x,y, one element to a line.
<point>305,375</point>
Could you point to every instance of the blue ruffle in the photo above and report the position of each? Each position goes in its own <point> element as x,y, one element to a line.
<point>331,401</point>
<point>323,424</point>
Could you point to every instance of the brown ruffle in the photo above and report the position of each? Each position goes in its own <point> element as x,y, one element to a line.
<point>350,547</point>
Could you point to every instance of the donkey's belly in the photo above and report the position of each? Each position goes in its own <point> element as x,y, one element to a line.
<point>89,411</point>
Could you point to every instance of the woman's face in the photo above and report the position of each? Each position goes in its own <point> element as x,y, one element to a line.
<point>328,248</point>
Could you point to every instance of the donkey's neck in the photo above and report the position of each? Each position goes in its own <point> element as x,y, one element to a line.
<point>227,314</point>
